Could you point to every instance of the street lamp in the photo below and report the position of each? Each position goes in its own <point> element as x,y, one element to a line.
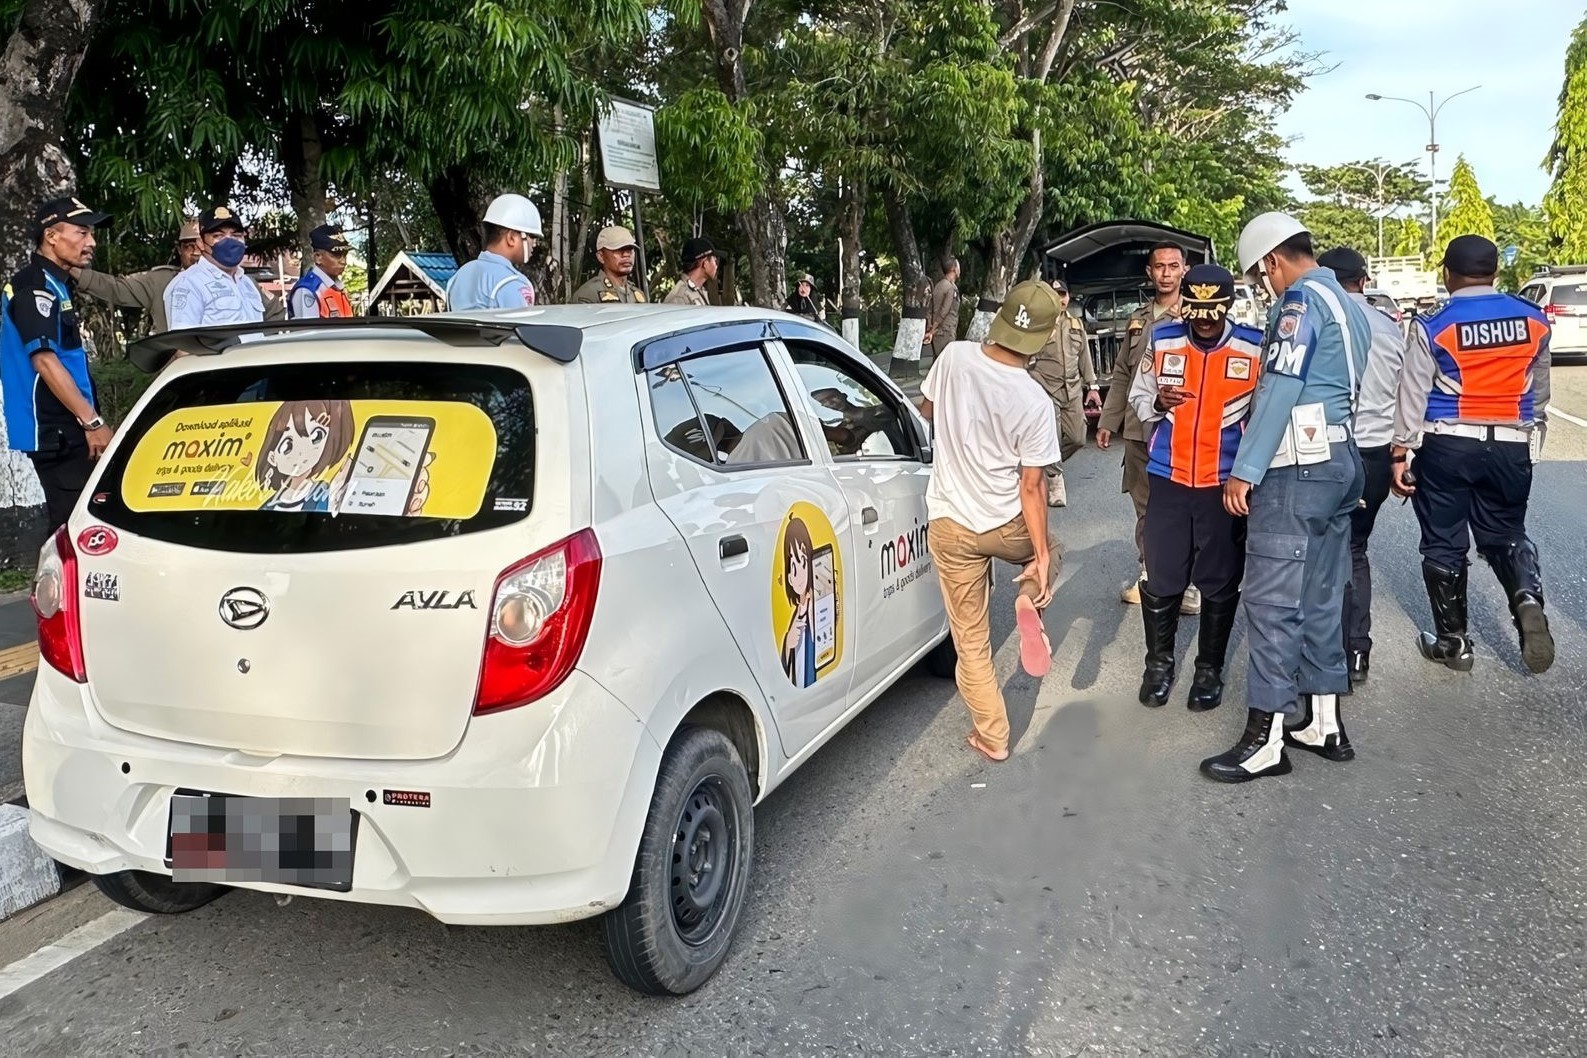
<point>1380,171</point>
<point>1431,110</point>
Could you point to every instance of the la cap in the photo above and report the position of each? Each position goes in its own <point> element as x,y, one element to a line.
<point>1471,256</point>
<point>1206,292</point>
<point>1026,319</point>
<point>1346,263</point>
<point>188,231</point>
<point>329,237</point>
<point>697,249</point>
<point>67,211</point>
<point>217,217</point>
<point>615,238</point>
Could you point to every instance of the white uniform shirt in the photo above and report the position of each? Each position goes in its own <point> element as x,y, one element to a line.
<point>989,419</point>
<point>205,295</point>
<point>1380,382</point>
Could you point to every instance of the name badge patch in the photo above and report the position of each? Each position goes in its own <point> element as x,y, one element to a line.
<point>1238,368</point>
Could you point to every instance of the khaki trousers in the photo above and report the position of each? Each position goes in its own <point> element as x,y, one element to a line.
<point>1137,483</point>
<point>964,569</point>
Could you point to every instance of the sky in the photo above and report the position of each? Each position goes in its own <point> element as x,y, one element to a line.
<point>1514,49</point>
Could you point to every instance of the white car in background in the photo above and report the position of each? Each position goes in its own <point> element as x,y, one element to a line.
<point>509,617</point>
<point>1561,292</point>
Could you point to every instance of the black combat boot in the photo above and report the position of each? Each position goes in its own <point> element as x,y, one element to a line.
<point>1318,728</point>
<point>1217,621</point>
<point>1446,593</point>
<point>1259,752</point>
<point>1517,567</point>
<point>1360,665</point>
<point>1160,616</point>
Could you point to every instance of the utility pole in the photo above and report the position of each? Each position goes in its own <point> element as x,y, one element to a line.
<point>1431,112</point>
<point>1380,172</point>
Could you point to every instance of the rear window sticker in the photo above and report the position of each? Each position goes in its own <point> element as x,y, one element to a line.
<point>512,503</point>
<point>97,540</point>
<point>106,586</point>
<point>806,598</point>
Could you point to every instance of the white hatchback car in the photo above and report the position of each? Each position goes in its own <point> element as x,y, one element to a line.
<point>511,618</point>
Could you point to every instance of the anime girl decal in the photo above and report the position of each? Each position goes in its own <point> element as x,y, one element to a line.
<point>799,642</point>
<point>806,615</point>
<point>304,439</point>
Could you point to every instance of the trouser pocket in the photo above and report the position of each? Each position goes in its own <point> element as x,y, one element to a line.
<point>1275,569</point>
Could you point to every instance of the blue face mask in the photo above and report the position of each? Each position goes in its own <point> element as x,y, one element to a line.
<point>229,252</point>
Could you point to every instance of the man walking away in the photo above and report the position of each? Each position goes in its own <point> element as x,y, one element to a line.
<point>1297,476</point>
<point>492,280</point>
<point>49,397</point>
<point>143,290</point>
<point>699,262</point>
<point>1473,403</point>
<point>986,499</point>
<point>1064,369</point>
<point>1374,428</point>
<point>942,314</point>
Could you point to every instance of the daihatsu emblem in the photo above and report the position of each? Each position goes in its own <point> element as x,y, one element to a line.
<point>244,608</point>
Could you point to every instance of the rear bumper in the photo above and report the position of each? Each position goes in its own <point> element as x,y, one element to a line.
<point>535,817</point>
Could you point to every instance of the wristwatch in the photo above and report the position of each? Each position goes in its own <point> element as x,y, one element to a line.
<point>96,423</point>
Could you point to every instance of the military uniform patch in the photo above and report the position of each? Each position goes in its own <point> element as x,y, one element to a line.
<point>609,295</point>
<point>1288,324</point>
<point>44,301</point>
<point>1238,368</point>
<point>639,297</point>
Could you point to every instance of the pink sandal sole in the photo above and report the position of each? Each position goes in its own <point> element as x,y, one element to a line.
<point>1035,649</point>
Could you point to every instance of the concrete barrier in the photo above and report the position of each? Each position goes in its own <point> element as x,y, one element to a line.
<point>27,875</point>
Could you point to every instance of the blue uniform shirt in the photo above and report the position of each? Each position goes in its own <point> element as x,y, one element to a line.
<point>489,281</point>
<point>37,316</point>
<point>1315,352</point>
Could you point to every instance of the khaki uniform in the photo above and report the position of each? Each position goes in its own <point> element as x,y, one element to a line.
<point>600,290</point>
<point>141,290</point>
<point>1065,371</point>
<point>684,292</point>
<point>1118,417</point>
<point>942,315</point>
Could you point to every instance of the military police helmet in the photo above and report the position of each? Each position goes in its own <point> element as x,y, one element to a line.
<point>1206,292</point>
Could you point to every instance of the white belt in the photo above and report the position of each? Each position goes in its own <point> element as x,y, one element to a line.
<point>1338,432</point>
<point>1480,433</point>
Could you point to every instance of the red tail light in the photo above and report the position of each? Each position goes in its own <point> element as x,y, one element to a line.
<point>55,601</point>
<point>539,619</point>
<point>1553,312</point>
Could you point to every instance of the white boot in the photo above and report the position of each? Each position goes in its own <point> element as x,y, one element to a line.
<point>1319,729</point>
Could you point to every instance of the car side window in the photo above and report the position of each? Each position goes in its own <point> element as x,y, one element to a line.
<point>726,410</point>
<point>859,419</point>
<point>1534,294</point>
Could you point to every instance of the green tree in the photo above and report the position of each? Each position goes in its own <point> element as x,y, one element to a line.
<point>1410,238</point>
<point>1332,225</point>
<point>1565,204</point>
<point>1464,211</point>
<point>1525,228</point>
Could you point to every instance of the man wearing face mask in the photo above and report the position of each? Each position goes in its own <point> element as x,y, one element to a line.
<point>49,398</point>
<point>215,291</point>
<point>493,280</point>
<point>143,290</point>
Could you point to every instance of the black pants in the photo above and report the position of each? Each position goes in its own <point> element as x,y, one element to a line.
<point>1191,539</point>
<point>1358,592</point>
<point>1465,488</point>
<point>63,467</point>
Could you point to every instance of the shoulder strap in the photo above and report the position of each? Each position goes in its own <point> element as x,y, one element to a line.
<point>501,283</point>
<point>1343,322</point>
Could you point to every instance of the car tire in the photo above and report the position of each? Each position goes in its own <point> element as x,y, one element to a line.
<point>673,929</point>
<point>943,660</point>
<point>155,893</point>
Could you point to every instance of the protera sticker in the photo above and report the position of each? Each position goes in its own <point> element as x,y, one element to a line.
<point>97,540</point>
<point>105,586</point>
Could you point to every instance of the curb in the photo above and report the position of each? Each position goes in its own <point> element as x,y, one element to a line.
<point>27,875</point>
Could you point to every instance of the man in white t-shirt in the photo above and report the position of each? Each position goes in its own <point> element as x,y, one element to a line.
<point>995,438</point>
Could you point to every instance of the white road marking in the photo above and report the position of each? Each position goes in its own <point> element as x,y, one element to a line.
<point>1567,416</point>
<point>80,941</point>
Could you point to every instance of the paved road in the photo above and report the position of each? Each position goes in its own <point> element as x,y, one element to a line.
<point>1093,896</point>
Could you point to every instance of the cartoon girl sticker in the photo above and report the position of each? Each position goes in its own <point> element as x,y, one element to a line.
<point>303,440</point>
<point>799,643</point>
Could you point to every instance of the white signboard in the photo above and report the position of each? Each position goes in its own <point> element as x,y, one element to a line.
<point>628,146</point>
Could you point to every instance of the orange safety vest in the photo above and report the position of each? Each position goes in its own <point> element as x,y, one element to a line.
<point>330,299</point>
<point>1196,444</point>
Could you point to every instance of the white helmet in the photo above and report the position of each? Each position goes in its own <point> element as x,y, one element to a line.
<point>1263,234</point>
<point>515,213</point>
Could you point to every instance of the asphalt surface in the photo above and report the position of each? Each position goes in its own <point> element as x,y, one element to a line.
<point>1094,896</point>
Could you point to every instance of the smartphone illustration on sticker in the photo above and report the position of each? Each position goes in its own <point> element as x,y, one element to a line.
<point>386,465</point>
<point>824,604</point>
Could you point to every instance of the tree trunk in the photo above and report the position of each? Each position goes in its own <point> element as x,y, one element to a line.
<point>916,287</point>
<point>851,225</point>
<point>452,198</point>
<point>574,274</point>
<point>301,154</point>
<point>763,225</point>
<point>1008,251</point>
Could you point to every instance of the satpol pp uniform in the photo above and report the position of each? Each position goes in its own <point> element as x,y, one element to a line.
<point>602,289</point>
<point>1065,371</point>
<point>1473,399</point>
<point>1190,537</point>
<point>1299,454</point>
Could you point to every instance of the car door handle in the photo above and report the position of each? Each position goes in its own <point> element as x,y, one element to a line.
<point>868,515</point>
<point>732,547</point>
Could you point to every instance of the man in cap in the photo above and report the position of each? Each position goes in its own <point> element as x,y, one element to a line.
<point>1165,266</point>
<point>699,262</point>
<point>1297,475</point>
<point>493,280</point>
<point>1374,428</point>
<point>1473,404</point>
<point>215,290</point>
<point>57,423</point>
<point>143,290</point>
<point>987,495</point>
<point>942,312</point>
<point>1192,392</point>
<point>614,283</point>
<point>802,302</point>
<point>319,294</point>
<point>1064,369</point>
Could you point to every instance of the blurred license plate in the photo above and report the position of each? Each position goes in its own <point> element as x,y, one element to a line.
<point>305,841</point>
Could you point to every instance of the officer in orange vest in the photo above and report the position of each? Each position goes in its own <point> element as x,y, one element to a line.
<point>320,294</point>
<point>1191,392</point>
<point>1473,405</point>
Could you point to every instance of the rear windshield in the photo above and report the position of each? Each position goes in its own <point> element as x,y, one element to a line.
<point>1569,294</point>
<point>324,456</point>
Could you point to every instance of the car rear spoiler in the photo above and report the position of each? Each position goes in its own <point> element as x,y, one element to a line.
<point>556,342</point>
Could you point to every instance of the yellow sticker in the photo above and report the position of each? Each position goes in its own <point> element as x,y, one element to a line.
<point>371,457</point>
<point>807,595</point>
